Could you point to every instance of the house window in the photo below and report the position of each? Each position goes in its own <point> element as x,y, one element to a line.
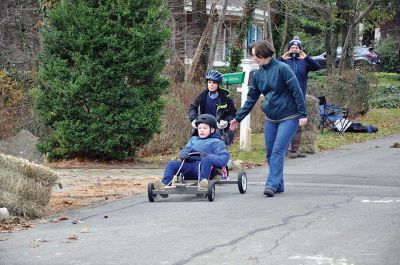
<point>227,39</point>
<point>254,33</point>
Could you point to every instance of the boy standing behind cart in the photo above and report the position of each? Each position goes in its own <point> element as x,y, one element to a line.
<point>213,154</point>
<point>216,101</point>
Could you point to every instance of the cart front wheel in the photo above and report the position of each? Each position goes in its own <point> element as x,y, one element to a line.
<point>242,182</point>
<point>211,192</point>
<point>150,194</point>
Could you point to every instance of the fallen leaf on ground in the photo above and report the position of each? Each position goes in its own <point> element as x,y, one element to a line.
<point>85,230</point>
<point>40,240</point>
<point>73,237</point>
<point>34,245</point>
<point>27,225</point>
<point>62,218</point>
<point>76,222</point>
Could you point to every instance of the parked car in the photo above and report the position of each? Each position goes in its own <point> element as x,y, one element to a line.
<point>363,56</point>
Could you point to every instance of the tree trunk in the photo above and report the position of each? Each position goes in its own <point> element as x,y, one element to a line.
<point>268,23</point>
<point>177,45</point>
<point>215,35</point>
<point>347,43</point>
<point>199,24</point>
<point>332,38</point>
<point>284,32</point>
<point>242,28</point>
<point>213,17</point>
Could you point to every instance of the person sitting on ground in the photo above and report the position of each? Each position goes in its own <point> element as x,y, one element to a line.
<point>215,101</point>
<point>213,154</point>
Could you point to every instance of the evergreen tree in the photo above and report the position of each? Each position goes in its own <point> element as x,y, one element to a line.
<point>100,83</point>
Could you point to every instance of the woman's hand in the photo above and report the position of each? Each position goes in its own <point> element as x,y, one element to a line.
<point>303,121</point>
<point>233,124</point>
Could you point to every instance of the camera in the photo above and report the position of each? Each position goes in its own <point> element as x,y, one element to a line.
<point>294,54</point>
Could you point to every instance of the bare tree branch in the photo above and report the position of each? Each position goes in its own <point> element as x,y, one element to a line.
<point>353,25</point>
<point>213,17</point>
<point>216,33</point>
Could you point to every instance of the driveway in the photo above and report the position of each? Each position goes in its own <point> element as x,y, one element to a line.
<point>340,207</point>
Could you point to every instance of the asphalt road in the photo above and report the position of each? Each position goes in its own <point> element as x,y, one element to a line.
<point>339,208</point>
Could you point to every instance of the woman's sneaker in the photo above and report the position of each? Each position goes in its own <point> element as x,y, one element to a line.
<point>203,184</point>
<point>294,155</point>
<point>269,192</point>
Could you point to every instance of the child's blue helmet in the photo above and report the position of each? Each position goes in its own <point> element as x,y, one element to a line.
<point>207,119</point>
<point>215,76</point>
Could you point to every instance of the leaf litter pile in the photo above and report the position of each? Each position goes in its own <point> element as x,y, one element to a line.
<point>88,184</point>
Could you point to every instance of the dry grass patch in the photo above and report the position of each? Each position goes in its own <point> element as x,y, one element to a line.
<point>25,187</point>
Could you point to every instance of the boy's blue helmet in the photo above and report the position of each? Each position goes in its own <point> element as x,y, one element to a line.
<point>207,119</point>
<point>215,76</point>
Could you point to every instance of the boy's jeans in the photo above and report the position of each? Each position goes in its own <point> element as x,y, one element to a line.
<point>189,169</point>
<point>277,138</point>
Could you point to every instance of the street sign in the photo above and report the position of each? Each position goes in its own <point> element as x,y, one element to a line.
<point>233,78</point>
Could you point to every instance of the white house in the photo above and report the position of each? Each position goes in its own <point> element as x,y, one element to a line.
<point>228,31</point>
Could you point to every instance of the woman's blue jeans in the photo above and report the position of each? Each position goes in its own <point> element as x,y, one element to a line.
<point>277,139</point>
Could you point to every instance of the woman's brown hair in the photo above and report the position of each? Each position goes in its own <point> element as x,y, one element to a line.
<point>262,49</point>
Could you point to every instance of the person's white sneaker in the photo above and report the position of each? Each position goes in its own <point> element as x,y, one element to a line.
<point>158,185</point>
<point>203,184</point>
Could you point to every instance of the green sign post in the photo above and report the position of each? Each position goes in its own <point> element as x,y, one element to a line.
<point>233,78</point>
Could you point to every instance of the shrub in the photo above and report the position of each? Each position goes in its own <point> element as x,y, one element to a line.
<point>388,50</point>
<point>351,90</point>
<point>317,75</point>
<point>386,97</point>
<point>175,125</point>
<point>388,79</point>
<point>100,82</point>
<point>25,187</point>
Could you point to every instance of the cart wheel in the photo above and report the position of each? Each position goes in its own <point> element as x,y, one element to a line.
<point>150,188</point>
<point>242,182</point>
<point>211,192</point>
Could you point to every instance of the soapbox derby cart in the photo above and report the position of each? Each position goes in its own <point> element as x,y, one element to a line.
<point>179,185</point>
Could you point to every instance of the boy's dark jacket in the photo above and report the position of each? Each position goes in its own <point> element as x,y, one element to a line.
<point>225,109</point>
<point>212,145</point>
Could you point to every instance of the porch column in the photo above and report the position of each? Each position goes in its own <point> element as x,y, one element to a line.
<point>245,129</point>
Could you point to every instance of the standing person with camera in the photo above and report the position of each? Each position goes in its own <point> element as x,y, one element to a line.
<point>301,64</point>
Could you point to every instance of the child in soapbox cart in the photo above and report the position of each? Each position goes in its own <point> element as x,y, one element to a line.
<point>203,163</point>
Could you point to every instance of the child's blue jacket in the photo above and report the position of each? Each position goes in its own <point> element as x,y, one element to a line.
<point>212,145</point>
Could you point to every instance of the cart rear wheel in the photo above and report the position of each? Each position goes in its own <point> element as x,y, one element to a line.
<point>242,182</point>
<point>150,194</point>
<point>211,192</point>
